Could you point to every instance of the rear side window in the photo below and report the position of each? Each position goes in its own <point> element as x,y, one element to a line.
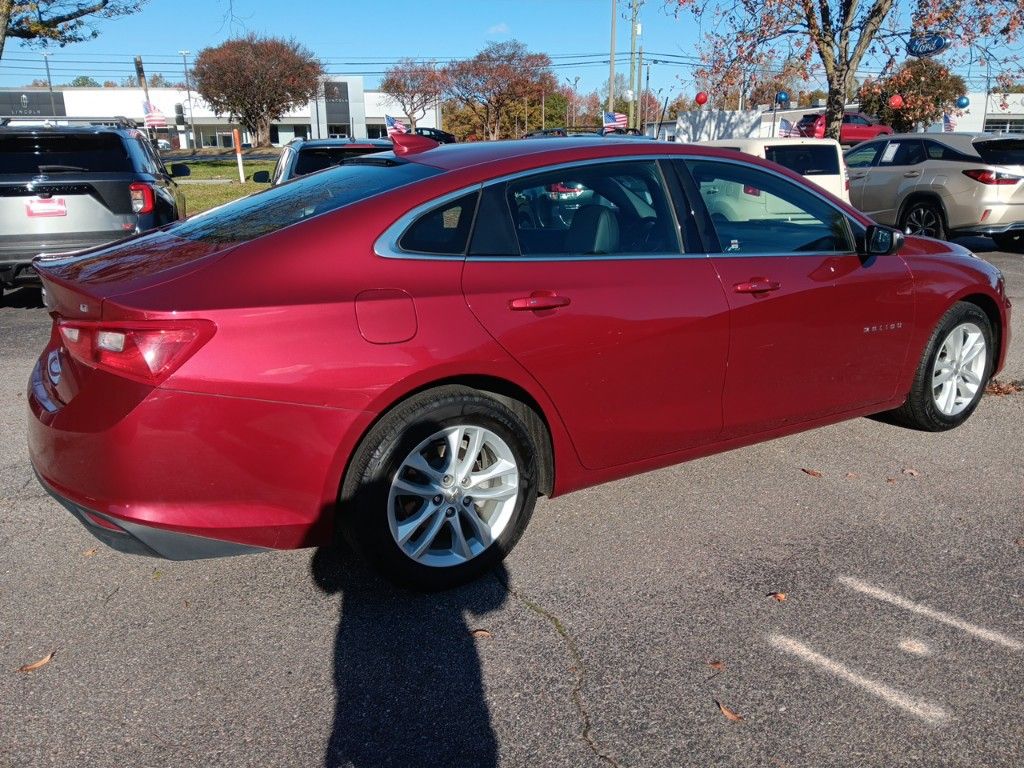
<point>314,159</point>
<point>278,207</point>
<point>937,151</point>
<point>63,153</point>
<point>904,152</point>
<point>1002,151</point>
<point>806,160</point>
<point>443,230</point>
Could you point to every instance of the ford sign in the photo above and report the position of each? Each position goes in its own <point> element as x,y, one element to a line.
<point>926,45</point>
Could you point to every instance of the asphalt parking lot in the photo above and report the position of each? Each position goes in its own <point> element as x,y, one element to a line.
<point>625,617</point>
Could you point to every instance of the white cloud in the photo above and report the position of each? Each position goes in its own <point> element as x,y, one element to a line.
<point>499,29</point>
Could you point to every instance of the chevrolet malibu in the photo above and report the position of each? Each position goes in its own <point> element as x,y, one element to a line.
<point>410,348</point>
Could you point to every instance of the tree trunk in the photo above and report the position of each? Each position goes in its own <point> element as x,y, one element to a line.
<point>835,107</point>
<point>412,123</point>
<point>263,133</point>
<point>6,6</point>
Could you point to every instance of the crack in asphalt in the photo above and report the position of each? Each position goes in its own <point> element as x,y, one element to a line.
<point>577,668</point>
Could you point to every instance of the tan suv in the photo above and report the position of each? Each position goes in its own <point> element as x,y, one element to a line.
<point>943,184</point>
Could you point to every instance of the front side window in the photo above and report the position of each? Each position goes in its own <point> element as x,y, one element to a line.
<point>593,210</point>
<point>755,212</point>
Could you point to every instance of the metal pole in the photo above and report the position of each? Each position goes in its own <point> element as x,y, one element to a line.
<point>543,117</point>
<point>988,87</point>
<point>664,109</point>
<point>632,63</point>
<point>188,89</point>
<point>647,88</point>
<point>49,83</point>
<point>611,66</point>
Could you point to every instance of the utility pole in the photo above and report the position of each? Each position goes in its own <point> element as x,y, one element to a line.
<point>611,66</point>
<point>639,82</point>
<point>188,89</point>
<point>647,88</point>
<point>632,61</point>
<point>572,99</point>
<point>49,82</point>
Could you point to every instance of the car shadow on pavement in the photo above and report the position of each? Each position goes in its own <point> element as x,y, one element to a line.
<point>21,298</point>
<point>406,670</point>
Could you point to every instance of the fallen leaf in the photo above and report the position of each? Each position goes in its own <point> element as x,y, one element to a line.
<point>157,575</point>
<point>811,472</point>
<point>851,475</point>
<point>890,479</point>
<point>37,664</point>
<point>779,597</point>
<point>734,717</point>
<point>716,665</point>
<point>1019,542</point>
<point>482,633</point>
<point>1000,388</point>
<point>90,552</point>
<point>911,472</point>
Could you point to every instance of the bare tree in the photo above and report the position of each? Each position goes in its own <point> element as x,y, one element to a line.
<point>415,86</point>
<point>58,21</point>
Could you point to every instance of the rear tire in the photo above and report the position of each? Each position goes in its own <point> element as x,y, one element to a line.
<point>924,218</point>
<point>1010,241</point>
<point>426,516</point>
<point>952,374</point>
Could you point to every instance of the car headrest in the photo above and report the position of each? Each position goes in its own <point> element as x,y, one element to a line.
<point>594,229</point>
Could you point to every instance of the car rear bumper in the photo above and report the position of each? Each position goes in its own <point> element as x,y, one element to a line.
<point>17,251</point>
<point>184,475</point>
<point>993,229</point>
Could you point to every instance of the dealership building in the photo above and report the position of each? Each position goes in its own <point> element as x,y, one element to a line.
<point>344,108</point>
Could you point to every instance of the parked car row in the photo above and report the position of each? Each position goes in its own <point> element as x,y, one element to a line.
<point>389,350</point>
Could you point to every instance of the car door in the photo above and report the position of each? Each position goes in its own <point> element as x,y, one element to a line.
<point>577,271</point>
<point>859,161</point>
<point>855,129</point>
<point>894,176</point>
<point>815,328</point>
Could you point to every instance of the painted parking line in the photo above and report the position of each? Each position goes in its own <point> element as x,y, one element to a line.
<point>923,610</point>
<point>927,711</point>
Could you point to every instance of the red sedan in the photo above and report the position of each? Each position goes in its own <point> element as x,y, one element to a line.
<point>856,127</point>
<point>413,346</point>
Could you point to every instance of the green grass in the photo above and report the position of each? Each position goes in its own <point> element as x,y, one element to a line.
<point>201,197</point>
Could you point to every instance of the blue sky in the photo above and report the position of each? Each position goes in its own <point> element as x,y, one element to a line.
<point>343,31</point>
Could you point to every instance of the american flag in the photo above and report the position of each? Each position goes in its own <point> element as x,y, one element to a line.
<point>948,122</point>
<point>787,129</point>
<point>395,126</point>
<point>614,120</point>
<point>154,118</point>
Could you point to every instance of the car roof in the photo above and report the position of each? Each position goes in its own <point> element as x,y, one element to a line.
<point>752,142</point>
<point>57,129</point>
<point>348,142</point>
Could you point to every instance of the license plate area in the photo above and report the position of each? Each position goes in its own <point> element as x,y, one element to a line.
<point>46,207</point>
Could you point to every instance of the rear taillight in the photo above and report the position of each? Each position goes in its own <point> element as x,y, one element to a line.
<point>143,352</point>
<point>142,197</point>
<point>986,176</point>
<point>752,191</point>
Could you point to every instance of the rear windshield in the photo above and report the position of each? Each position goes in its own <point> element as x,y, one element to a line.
<point>806,160</point>
<point>317,158</point>
<point>808,119</point>
<point>63,153</point>
<point>266,212</point>
<point>1001,151</point>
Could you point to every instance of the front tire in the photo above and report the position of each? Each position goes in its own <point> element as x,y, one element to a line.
<point>441,488</point>
<point>924,219</point>
<point>953,372</point>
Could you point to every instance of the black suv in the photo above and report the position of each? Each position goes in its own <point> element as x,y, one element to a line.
<point>68,188</point>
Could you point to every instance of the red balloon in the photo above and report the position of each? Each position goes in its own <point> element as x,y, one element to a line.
<point>896,101</point>
<point>702,98</point>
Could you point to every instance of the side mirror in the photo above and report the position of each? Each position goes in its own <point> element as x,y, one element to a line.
<point>261,177</point>
<point>881,241</point>
<point>180,169</point>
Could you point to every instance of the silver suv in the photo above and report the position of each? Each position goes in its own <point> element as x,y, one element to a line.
<point>67,188</point>
<point>943,184</point>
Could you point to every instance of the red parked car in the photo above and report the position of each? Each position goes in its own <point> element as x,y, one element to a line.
<point>388,347</point>
<point>857,127</point>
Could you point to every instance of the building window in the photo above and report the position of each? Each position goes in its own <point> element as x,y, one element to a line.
<point>1004,125</point>
<point>338,131</point>
<point>376,131</point>
<point>301,131</point>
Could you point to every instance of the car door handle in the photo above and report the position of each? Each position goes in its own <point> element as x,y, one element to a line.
<point>911,174</point>
<point>538,300</point>
<point>757,285</point>
<point>857,175</point>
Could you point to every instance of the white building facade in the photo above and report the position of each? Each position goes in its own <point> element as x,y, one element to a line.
<point>343,108</point>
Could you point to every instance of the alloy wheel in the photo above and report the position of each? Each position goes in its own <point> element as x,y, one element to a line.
<point>959,369</point>
<point>923,220</point>
<point>453,496</point>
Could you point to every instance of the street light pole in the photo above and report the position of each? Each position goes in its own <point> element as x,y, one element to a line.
<point>188,89</point>
<point>49,82</point>
<point>575,84</point>
<point>611,66</point>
